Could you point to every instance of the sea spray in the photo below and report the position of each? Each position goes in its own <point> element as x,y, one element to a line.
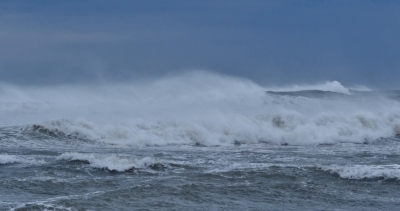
<point>198,109</point>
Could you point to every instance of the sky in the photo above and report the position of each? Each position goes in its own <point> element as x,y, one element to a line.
<point>270,42</point>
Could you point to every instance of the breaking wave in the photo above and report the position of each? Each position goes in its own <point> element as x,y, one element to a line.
<point>12,159</point>
<point>196,109</point>
<point>365,171</point>
<point>111,162</point>
<point>8,159</point>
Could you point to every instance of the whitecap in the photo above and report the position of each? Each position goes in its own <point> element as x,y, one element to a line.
<point>365,171</point>
<point>12,159</point>
<point>111,162</point>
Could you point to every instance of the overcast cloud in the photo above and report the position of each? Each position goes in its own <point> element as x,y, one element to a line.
<point>269,42</point>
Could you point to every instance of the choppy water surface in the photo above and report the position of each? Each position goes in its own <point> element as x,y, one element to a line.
<point>247,177</point>
<point>186,143</point>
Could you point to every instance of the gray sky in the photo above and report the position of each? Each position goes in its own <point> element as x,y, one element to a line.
<point>270,42</point>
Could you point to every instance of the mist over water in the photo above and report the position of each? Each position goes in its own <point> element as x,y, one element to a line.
<point>198,141</point>
<point>200,108</point>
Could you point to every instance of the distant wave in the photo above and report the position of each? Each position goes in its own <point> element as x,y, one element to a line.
<point>310,93</point>
<point>329,86</point>
<point>353,94</point>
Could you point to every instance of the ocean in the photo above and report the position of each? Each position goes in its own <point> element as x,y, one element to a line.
<point>198,141</point>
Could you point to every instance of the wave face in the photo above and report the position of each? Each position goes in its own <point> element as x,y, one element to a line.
<point>197,109</point>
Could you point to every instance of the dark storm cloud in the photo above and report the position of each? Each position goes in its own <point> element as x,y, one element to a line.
<point>273,42</point>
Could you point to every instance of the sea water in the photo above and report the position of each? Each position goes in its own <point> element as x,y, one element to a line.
<point>198,142</point>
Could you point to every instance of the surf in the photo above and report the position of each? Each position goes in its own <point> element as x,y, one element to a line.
<point>198,108</point>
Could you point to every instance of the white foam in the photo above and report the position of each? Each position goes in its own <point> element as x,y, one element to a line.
<point>110,162</point>
<point>252,166</point>
<point>10,159</point>
<point>365,171</point>
<point>51,203</point>
<point>44,205</point>
<point>198,108</point>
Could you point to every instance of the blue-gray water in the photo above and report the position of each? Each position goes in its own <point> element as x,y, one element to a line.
<point>229,147</point>
<point>341,176</point>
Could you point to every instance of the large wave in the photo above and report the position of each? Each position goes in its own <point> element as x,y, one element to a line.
<point>196,108</point>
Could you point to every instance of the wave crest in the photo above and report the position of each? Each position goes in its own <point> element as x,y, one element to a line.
<point>365,171</point>
<point>12,159</point>
<point>111,162</point>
